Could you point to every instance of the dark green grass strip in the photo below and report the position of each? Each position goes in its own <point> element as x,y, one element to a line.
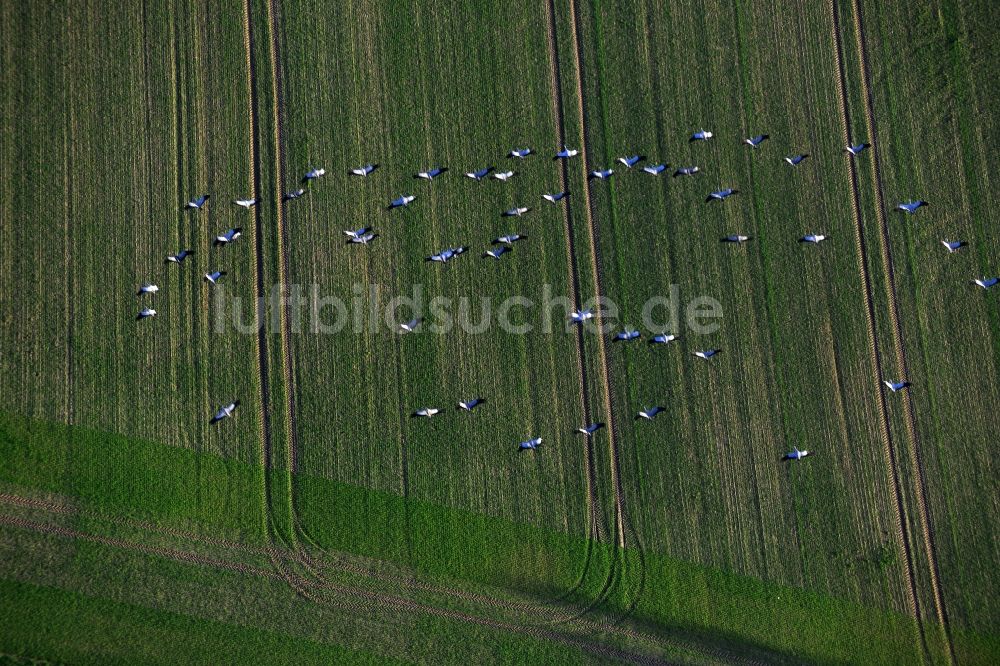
<point>145,480</point>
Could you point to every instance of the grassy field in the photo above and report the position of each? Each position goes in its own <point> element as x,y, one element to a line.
<point>322,523</point>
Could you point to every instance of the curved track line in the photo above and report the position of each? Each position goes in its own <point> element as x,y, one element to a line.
<point>173,553</point>
<point>365,599</point>
<point>897,333</point>
<point>300,555</point>
<point>900,515</point>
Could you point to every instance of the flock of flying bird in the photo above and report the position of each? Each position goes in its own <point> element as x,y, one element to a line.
<point>503,244</point>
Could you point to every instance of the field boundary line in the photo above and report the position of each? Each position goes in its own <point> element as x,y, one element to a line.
<point>897,332</point>
<point>900,514</point>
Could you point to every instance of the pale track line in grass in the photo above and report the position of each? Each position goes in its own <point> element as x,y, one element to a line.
<point>366,600</point>
<point>341,565</point>
<point>897,333</point>
<point>170,553</point>
<point>888,448</point>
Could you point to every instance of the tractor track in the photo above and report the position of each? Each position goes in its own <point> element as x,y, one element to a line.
<point>596,272</point>
<point>296,531</point>
<point>288,368</point>
<point>317,586</point>
<point>594,521</point>
<point>897,332</point>
<point>263,361</point>
<point>362,600</point>
<point>888,446</point>
<point>621,523</point>
<point>310,588</point>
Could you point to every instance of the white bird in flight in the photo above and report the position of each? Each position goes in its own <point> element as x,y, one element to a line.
<point>686,171</point>
<point>600,174</point>
<point>364,170</point>
<point>795,455</point>
<point>403,200</point>
<point>520,153</point>
<point>721,195</point>
<point>409,326</point>
<point>496,252</point>
<point>425,412</point>
<point>431,174</point>
<point>895,386</point>
<point>857,148</point>
<point>953,246</point>
<point>516,211</point>
<point>245,203</point>
<point>985,282</point>
<point>663,338</point>
<point>735,238</point>
<point>555,198</point>
<point>911,207</point>
<point>214,276</point>
<point>626,335</point>
<point>813,238</point>
<point>529,444</point>
<point>631,160</point>
<point>755,141</point>
<point>509,239</point>
<point>654,169</point>
<point>363,239</point>
<point>566,153</point>
<point>228,237</point>
<point>179,257</point>
<point>357,233</point>
<point>446,255</point>
<point>479,175</point>
<point>469,405</point>
<point>580,316</point>
<point>197,203</point>
<point>796,160</point>
<point>649,414</point>
<point>146,313</point>
<point>225,412</point>
<point>313,174</point>
<point>590,429</point>
<point>700,135</point>
<point>147,289</point>
<point>504,175</point>
<point>708,353</point>
<point>295,194</point>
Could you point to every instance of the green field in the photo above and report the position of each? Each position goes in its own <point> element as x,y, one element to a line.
<point>322,523</point>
